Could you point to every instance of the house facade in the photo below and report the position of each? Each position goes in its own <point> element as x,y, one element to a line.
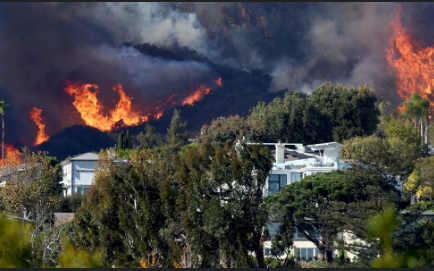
<point>293,162</point>
<point>78,173</point>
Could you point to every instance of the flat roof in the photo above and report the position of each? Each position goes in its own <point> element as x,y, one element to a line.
<point>324,146</point>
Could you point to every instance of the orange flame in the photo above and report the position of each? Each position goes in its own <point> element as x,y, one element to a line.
<point>90,108</point>
<point>414,65</point>
<point>196,95</point>
<point>35,115</point>
<point>11,155</point>
<point>218,81</point>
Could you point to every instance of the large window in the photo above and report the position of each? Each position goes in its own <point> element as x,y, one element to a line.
<point>83,190</point>
<point>306,254</point>
<point>295,177</point>
<point>300,235</point>
<point>276,182</point>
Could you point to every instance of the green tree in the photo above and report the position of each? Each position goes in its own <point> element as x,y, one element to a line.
<point>421,181</point>
<point>220,203</point>
<point>323,205</point>
<point>352,110</point>
<point>3,109</point>
<point>128,144</point>
<point>418,108</point>
<point>294,119</point>
<point>127,211</point>
<point>390,154</point>
<point>176,136</point>
<point>385,227</point>
<point>149,139</point>
<point>229,130</point>
<point>121,141</point>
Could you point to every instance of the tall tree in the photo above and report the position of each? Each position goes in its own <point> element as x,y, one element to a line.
<point>176,136</point>
<point>128,212</point>
<point>323,205</point>
<point>149,139</point>
<point>128,144</point>
<point>228,130</point>
<point>220,203</point>
<point>352,110</point>
<point>418,108</point>
<point>3,109</point>
<point>121,141</point>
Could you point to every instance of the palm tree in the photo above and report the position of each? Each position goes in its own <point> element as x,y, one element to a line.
<point>3,109</point>
<point>418,108</point>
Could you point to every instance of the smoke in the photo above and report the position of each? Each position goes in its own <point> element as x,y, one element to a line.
<point>44,45</point>
<point>300,45</point>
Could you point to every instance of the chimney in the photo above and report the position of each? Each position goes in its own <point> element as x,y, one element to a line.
<point>280,153</point>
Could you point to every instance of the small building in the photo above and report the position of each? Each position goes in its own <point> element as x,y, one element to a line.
<point>78,173</point>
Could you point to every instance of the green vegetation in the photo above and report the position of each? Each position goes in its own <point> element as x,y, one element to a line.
<point>170,203</point>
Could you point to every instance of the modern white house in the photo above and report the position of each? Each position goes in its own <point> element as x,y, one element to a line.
<point>293,162</point>
<point>78,173</point>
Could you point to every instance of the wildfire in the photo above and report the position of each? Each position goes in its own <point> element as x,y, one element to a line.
<point>196,95</point>
<point>414,65</point>
<point>11,155</point>
<point>36,116</point>
<point>199,92</point>
<point>218,81</point>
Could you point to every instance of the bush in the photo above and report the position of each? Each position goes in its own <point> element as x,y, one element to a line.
<point>69,204</point>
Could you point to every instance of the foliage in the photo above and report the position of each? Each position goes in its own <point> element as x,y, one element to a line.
<point>121,141</point>
<point>228,130</point>
<point>383,227</point>
<point>352,110</point>
<point>421,180</point>
<point>71,257</point>
<point>69,204</point>
<point>126,210</point>
<point>422,206</point>
<point>176,135</point>
<point>15,243</point>
<point>31,187</point>
<point>150,139</point>
<point>391,154</point>
<point>189,147</point>
<point>331,203</point>
<point>128,144</point>
<point>293,119</point>
<point>220,204</point>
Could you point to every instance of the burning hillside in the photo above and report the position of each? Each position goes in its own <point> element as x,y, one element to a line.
<point>414,65</point>
<point>123,115</point>
<point>11,155</point>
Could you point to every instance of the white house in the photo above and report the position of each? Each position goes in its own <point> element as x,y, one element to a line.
<point>293,162</point>
<point>78,173</point>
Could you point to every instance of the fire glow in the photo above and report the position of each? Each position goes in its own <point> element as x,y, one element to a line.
<point>414,65</point>
<point>36,116</point>
<point>11,155</point>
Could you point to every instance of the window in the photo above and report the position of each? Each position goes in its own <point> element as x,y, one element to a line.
<point>295,177</point>
<point>267,252</point>
<point>276,182</point>
<point>83,190</point>
<point>306,254</point>
<point>300,235</point>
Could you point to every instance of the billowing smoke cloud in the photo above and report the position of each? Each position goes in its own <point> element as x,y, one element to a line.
<point>300,44</point>
<point>44,45</point>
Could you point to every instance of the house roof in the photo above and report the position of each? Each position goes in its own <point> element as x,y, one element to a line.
<point>88,156</point>
<point>324,146</point>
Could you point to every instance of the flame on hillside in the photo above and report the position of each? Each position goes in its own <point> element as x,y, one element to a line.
<point>36,116</point>
<point>11,155</point>
<point>91,109</point>
<point>199,92</point>
<point>414,65</point>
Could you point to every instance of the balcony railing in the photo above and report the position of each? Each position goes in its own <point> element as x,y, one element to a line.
<point>319,164</point>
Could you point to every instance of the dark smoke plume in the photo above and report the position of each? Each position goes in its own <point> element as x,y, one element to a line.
<point>300,45</point>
